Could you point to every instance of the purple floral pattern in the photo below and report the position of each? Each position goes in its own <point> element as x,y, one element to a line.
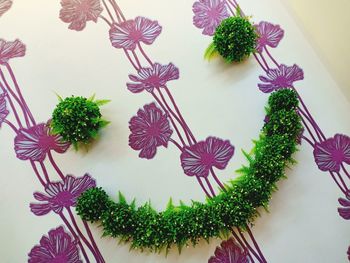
<point>149,130</point>
<point>3,109</point>
<point>132,32</point>
<point>153,77</point>
<point>269,35</point>
<point>5,5</point>
<point>281,77</point>
<point>60,195</point>
<point>36,142</point>
<point>229,252</point>
<point>56,247</point>
<point>208,14</point>
<point>78,12</point>
<point>331,153</point>
<point>198,159</point>
<point>11,49</point>
<point>344,211</point>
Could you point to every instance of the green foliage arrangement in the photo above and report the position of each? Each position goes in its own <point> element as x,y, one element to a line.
<point>78,119</point>
<point>234,39</point>
<point>236,206</point>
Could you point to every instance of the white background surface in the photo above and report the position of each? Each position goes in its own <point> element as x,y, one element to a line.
<point>216,99</point>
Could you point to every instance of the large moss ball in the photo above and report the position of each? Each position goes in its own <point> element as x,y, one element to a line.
<point>235,39</point>
<point>77,120</point>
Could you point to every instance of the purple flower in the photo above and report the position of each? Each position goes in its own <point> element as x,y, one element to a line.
<point>78,12</point>
<point>57,247</point>
<point>331,153</point>
<point>229,252</point>
<point>156,76</point>
<point>11,49</point>
<point>198,159</point>
<point>149,130</point>
<point>281,77</point>
<point>349,253</point>
<point>208,14</point>
<point>5,5</point>
<point>35,142</point>
<point>3,110</point>
<point>344,211</point>
<point>62,194</point>
<point>131,32</point>
<point>269,35</point>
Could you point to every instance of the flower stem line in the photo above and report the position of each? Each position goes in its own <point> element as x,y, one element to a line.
<point>11,125</point>
<point>217,179</point>
<point>239,240</point>
<point>106,20</point>
<point>81,235</point>
<point>307,118</point>
<point>15,82</point>
<point>15,97</point>
<point>308,141</point>
<point>46,175</point>
<point>136,59</point>
<point>176,144</point>
<point>338,184</point>
<point>261,65</point>
<point>37,173</point>
<point>12,106</point>
<point>170,118</point>
<point>210,187</point>
<point>229,7</point>
<point>108,11</point>
<point>345,171</point>
<point>256,244</point>
<point>144,54</point>
<point>177,118</point>
<point>117,9</point>
<point>54,165</point>
<point>264,61</point>
<point>308,129</point>
<point>202,186</point>
<point>249,247</point>
<point>66,222</point>
<point>271,57</point>
<point>130,60</point>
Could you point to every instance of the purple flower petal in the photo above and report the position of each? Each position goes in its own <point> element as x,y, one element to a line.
<point>57,247</point>
<point>198,159</point>
<point>269,35</point>
<point>331,153</point>
<point>281,77</point>
<point>149,130</point>
<point>208,14</point>
<point>130,33</point>
<point>229,252</point>
<point>11,49</point>
<point>5,5</point>
<point>78,12</point>
<point>344,211</point>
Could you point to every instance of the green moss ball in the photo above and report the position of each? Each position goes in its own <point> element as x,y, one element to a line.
<point>235,39</point>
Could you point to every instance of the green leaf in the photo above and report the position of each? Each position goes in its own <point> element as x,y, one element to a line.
<point>102,102</point>
<point>59,97</point>
<point>210,52</point>
<point>92,97</point>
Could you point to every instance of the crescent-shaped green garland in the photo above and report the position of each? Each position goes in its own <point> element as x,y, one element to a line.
<point>236,206</point>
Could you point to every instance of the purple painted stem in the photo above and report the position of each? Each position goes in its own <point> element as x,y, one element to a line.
<point>261,65</point>
<point>204,189</point>
<point>308,129</point>
<point>308,141</point>
<point>170,118</point>
<point>55,166</point>
<point>229,7</point>
<point>130,60</point>
<point>20,93</point>
<point>179,113</point>
<point>12,93</point>
<point>175,116</point>
<point>210,187</point>
<point>46,175</point>
<point>37,174</point>
<point>271,57</point>
<point>342,181</point>
<point>117,9</point>
<point>82,237</point>
<point>249,247</point>
<point>345,171</point>
<point>238,239</point>
<point>217,179</point>
<point>176,144</point>
<point>87,228</point>
<point>10,124</point>
<point>264,61</point>
<point>116,12</point>
<point>144,54</point>
<point>338,184</point>
<point>311,122</point>
<point>12,106</point>
<point>64,219</point>
<point>256,244</point>
<point>137,59</point>
<point>108,11</point>
<point>106,20</point>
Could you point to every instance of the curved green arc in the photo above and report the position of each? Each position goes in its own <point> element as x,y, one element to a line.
<point>237,206</point>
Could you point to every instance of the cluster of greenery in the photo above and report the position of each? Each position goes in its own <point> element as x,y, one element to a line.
<point>236,206</point>
<point>78,119</point>
<point>234,39</point>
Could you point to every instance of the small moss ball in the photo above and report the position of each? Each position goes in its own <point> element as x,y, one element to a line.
<point>235,39</point>
<point>92,204</point>
<point>77,120</point>
<point>286,99</point>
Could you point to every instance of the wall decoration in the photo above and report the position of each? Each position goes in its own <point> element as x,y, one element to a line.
<point>331,154</point>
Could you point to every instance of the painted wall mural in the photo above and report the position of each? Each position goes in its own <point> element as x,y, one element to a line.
<point>156,125</point>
